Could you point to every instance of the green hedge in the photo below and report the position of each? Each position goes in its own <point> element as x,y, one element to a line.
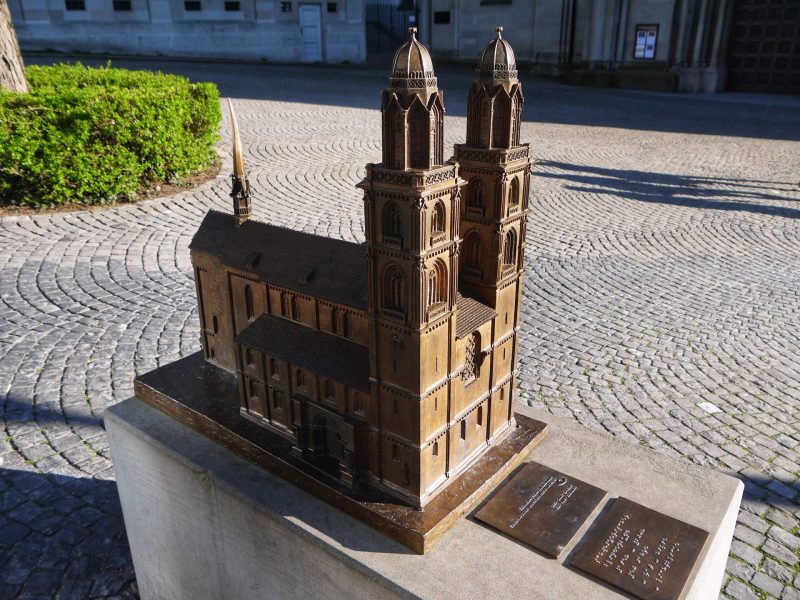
<point>97,135</point>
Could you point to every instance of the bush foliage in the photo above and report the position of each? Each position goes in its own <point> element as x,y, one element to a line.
<point>96,135</point>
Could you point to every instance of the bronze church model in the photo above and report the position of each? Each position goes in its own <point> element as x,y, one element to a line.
<point>389,363</point>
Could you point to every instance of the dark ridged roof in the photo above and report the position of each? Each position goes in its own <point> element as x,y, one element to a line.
<point>471,315</point>
<point>323,267</point>
<point>333,357</point>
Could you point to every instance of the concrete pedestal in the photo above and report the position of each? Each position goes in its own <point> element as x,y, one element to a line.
<point>203,523</point>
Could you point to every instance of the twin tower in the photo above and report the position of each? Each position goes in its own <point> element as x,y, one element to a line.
<point>445,246</point>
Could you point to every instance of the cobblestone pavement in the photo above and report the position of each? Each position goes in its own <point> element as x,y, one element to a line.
<point>662,273</point>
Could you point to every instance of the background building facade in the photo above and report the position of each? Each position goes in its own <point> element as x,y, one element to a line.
<point>273,30</point>
<point>666,45</point>
<point>669,45</point>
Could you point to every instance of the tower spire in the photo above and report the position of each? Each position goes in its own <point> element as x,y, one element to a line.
<point>240,185</point>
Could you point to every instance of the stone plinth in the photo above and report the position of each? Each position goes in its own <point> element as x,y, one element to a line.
<point>203,523</point>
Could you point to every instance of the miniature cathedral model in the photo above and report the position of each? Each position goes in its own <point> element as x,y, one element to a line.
<point>389,363</point>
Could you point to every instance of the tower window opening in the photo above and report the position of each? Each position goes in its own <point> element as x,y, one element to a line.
<point>510,248</point>
<point>437,283</point>
<point>329,392</point>
<point>464,429</point>
<point>232,6</point>
<point>215,323</point>
<point>295,308</point>
<point>192,5</point>
<point>438,218</point>
<point>480,416</point>
<point>273,368</point>
<point>392,221</point>
<point>396,452</point>
<point>249,357</point>
<point>334,320</point>
<point>393,289</point>
<point>475,193</point>
<point>435,450</point>
<point>472,249</point>
<point>514,192</point>
<point>300,378</point>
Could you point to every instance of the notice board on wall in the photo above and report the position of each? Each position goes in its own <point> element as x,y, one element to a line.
<point>646,39</point>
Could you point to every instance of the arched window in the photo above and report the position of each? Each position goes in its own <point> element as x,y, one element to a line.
<point>215,324</point>
<point>514,192</point>
<point>502,120</point>
<point>393,289</point>
<point>248,357</point>
<point>475,193</point>
<point>472,367</point>
<point>419,139</point>
<point>435,451</point>
<point>253,391</point>
<point>335,320</point>
<point>464,428</point>
<point>300,377</point>
<point>392,223</point>
<point>295,309</point>
<point>438,218</point>
<point>248,301</point>
<point>358,404</point>
<point>393,136</point>
<point>437,283</point>
<point>510,248</point>
<point>277,400</point>
<point>472,249</point>
<point>480,416</point>
<point>329,395</point>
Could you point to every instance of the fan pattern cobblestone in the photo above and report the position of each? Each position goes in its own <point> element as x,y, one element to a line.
<point>662,272</point>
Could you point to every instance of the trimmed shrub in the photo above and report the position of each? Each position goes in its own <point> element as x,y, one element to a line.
<point>97,135</point>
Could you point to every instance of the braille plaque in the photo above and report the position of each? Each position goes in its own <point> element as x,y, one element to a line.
<point>641,551</point>
<point>541,507</point>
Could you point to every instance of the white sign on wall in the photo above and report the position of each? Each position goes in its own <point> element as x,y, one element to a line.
<point>646,38</point>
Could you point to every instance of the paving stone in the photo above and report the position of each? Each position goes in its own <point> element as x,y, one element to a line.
<point>768,584</point>
<point>661,253</point>
<point>740,591</point>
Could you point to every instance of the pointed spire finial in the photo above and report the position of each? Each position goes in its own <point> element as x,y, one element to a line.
<point>413,32</point>
<point>499,30</point>
<point>241,187</point>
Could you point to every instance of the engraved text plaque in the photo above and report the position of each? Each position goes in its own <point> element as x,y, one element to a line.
<point>541,507</point>
<point>641,551</point>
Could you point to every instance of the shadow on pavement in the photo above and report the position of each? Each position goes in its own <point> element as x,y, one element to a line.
<point>62,537</point>
<point>680,190</point>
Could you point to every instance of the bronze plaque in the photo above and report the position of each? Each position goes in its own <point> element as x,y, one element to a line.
<point>541,507</point>
<point>641,551</point>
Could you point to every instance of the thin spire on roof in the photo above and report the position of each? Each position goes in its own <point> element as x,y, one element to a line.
<point>241,187</point>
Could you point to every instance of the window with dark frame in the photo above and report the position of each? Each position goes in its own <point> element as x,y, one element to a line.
<point>495,1</point>
<point>332,7</point>
<point>441,17</point>
<point>286,7</point>
<point>122,5</point>
<point>192,5</point>
<point>233,6</point>
<point>75,4</point>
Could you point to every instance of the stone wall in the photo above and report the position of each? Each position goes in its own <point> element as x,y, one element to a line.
<point>258,30</point>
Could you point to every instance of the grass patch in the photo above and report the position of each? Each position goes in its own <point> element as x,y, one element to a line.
<point>97,135</point>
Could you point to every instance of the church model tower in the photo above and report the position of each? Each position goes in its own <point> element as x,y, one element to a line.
<point>389,363</point>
